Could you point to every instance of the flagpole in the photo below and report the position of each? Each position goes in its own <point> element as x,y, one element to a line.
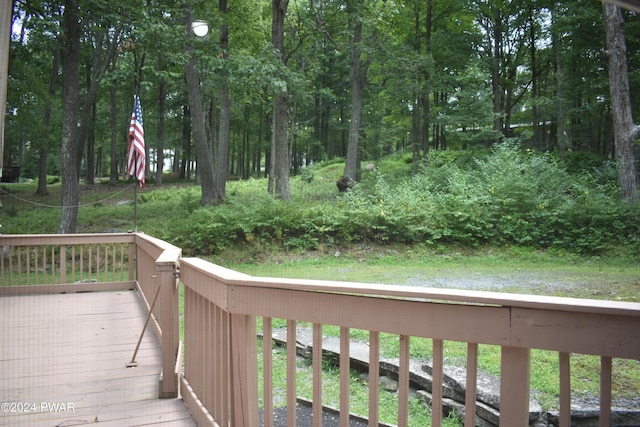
<point>135,176</point>
<point>135,193</point>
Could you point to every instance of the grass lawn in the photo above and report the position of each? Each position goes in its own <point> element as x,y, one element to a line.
<point>502,269</point>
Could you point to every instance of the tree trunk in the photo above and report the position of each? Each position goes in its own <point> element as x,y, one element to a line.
<point>162,103</point>
<point>70,106</point>
<point>426,107</point>
<point>416,131</point>
<point>280,151</point>
<point>6,9</point>
<point>185,165</point>
<point>281,156</point>
<point>535,115</point>
<point>624,129</point>
<point>352,167</point>
<point>222,149</point>
<point>113,124</point>
<point>99,65</point>
<point>203,150</point>
<point>270,157</point>
<point>91,147</point>
<point>44,150</point>
<point>562,132</point>
<point>43,158</point>
<point>496,62</point>
<point>417,99</point>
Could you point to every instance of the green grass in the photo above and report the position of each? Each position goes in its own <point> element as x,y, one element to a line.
<point>505,269</point>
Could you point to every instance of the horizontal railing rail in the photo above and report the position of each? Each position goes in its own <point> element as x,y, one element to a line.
<point>220,381</point>
<point>64,263</point>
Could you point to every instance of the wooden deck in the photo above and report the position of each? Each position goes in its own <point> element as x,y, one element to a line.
<point>63,362</point>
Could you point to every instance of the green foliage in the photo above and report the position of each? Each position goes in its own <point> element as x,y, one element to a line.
<point>499,197</point>
<point>509,197</point>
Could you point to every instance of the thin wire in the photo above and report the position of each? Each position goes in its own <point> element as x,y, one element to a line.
<point>44,205</point>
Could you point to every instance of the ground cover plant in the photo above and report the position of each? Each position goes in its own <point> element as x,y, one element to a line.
<point>509,197</point>
<point>505,196</point>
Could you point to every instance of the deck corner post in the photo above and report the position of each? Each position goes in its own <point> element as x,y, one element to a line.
<point>168,317</point>
<point>515,386</point>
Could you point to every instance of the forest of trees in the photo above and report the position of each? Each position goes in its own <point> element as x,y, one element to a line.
<point>274,86</point>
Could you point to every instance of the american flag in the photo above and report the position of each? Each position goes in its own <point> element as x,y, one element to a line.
<point>136,158</point>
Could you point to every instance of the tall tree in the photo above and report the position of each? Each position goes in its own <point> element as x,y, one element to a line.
<point>222,148</point>
<point>5,24</point>
<point>356,84</point>
<point>427,75</point>
<point>105,44</point>
<point>558,45</point>
<point>624,130</point>
<point>71,29</point>
<point>44,149</point>
<point>209,194</point>
<point>504,25</point>
<point>280,148</point>
<point>113,126</point>
<point>162,110</point>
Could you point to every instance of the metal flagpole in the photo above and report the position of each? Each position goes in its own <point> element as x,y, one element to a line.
<point>135,168</point>
<point>135,162</point>
<point>135,192</point>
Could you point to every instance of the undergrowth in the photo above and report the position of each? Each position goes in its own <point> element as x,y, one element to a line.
<point>506,196</point>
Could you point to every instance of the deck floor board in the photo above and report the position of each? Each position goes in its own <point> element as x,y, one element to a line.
<point>63,362</point>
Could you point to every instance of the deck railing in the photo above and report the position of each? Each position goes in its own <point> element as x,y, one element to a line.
<point>220,382</point>
<point>98,262</point>
<point>61,263</point>
<point>221,377</point>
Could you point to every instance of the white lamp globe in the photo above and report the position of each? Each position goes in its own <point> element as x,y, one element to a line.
<point>200,28</point>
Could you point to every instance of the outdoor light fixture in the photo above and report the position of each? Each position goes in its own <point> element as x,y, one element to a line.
<point>200,28</point>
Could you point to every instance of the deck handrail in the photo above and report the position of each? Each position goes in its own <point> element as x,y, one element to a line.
<point>66,262</point>
<point>221,307</point>
<point>157,272</point>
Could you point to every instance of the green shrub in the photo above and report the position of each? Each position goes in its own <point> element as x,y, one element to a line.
<point>508,197</point>
<point>502,196</point>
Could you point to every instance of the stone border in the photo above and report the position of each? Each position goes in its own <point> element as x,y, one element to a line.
<point>454,380</point>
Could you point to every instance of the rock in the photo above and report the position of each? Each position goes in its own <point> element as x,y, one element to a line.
<point>424,396</point>
<point>388,384</point>
<point>85,281</point>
